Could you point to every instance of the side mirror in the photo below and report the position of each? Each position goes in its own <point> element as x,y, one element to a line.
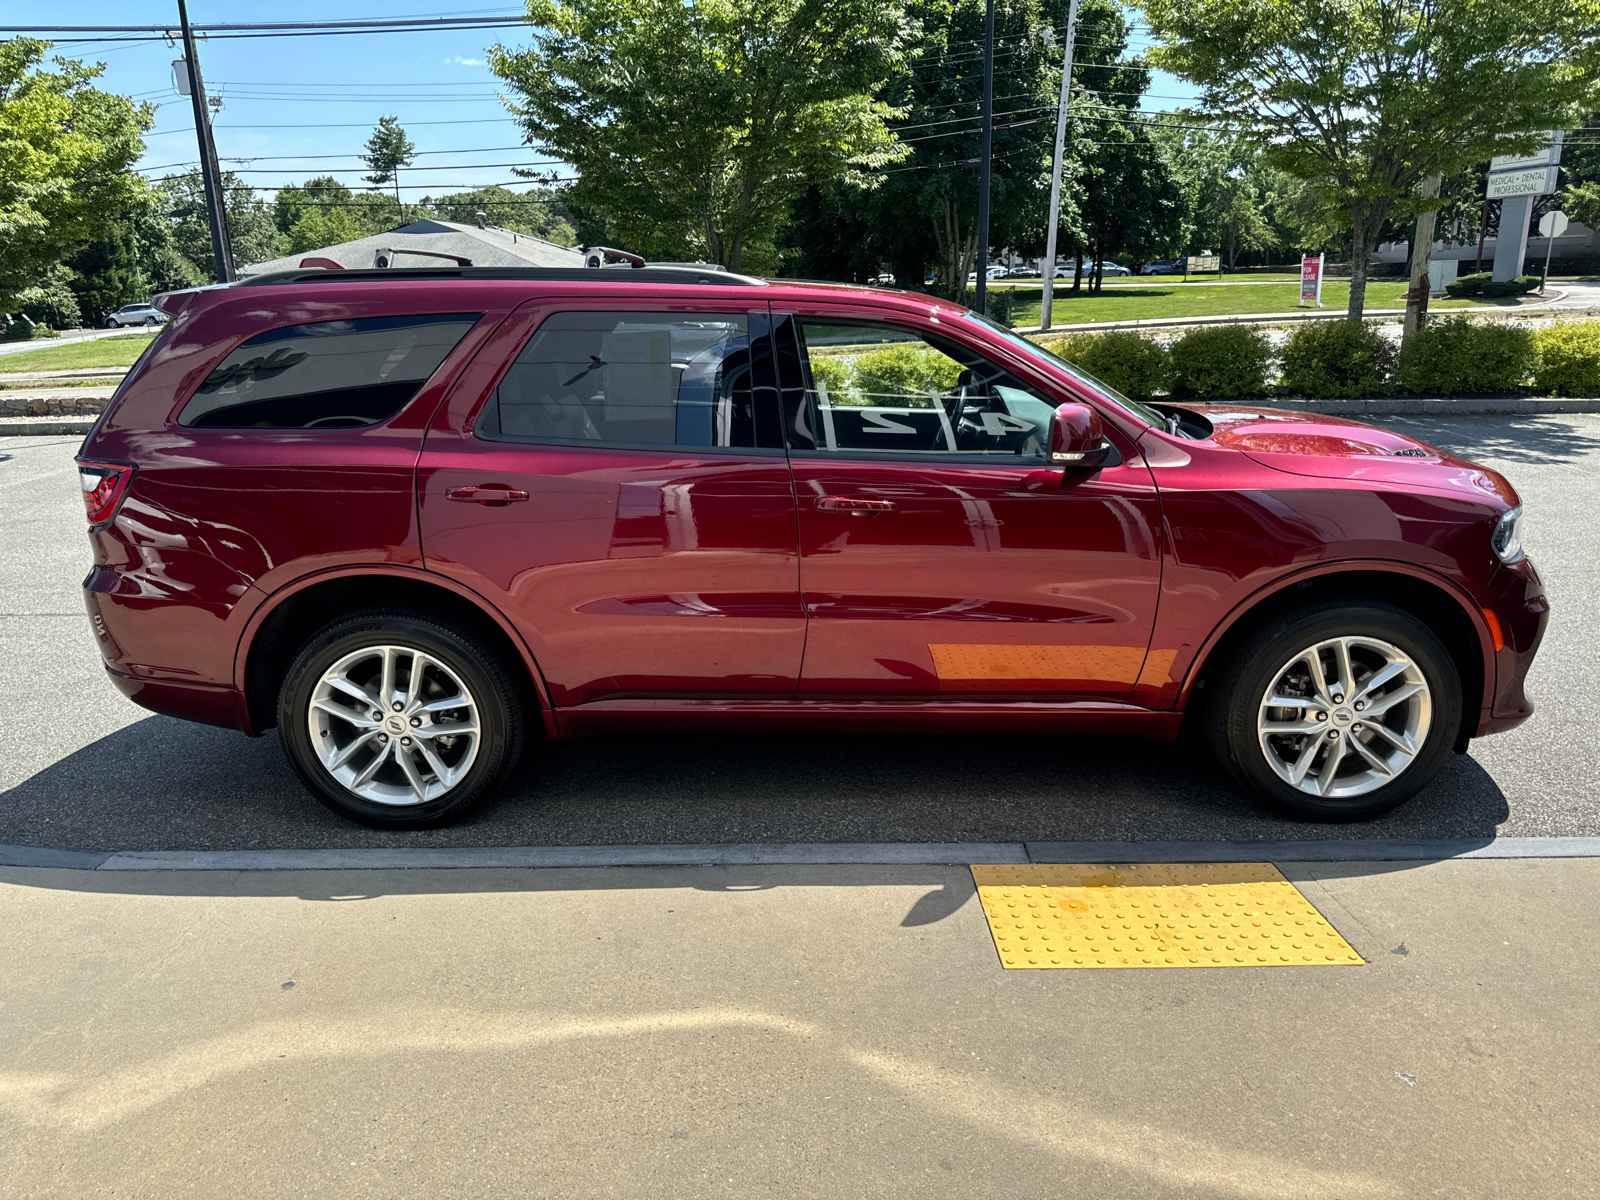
<point>1076,439</point>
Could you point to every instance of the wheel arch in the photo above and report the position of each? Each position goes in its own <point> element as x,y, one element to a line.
<point>282,623</point>
<point>1437,602</point>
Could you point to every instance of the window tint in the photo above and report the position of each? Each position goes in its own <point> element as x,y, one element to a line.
<point>326,375</point>
<point>885,389</point>
<point>634,378</point>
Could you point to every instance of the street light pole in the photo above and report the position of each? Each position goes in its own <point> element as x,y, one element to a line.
<point>1055,171</point>
<point>988,147</point>
<point>221,250</point>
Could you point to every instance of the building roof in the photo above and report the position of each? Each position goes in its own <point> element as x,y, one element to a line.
<point>486,247</point>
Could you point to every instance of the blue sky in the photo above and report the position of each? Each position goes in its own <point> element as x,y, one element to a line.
<point>294,107</point>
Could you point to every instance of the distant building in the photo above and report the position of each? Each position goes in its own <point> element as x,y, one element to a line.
<point>1578,242</point>
<point>486,246</point>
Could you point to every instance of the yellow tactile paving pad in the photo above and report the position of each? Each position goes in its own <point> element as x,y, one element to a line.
<point>1057,916</point>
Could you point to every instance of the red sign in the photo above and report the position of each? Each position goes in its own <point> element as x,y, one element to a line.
<point>1311,281</point>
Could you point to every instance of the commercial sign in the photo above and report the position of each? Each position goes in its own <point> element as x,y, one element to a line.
<point>1311,281</point>
<point>1533,174</point>
<point>1548,156</point>
<point>1535,181</point>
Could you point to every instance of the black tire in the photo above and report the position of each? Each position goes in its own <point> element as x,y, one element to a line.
<point>111,323</point>
<point>1235,706</point>
<point>487,679</point>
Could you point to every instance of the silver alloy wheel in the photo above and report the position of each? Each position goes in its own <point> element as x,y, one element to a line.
<point>1344,717</point>
<point>394,725</point>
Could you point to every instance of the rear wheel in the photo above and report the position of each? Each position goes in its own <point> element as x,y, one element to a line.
<point>1338,712</point>
<point>399,720</point>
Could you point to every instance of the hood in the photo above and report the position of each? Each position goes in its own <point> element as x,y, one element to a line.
<point>1303,443</point>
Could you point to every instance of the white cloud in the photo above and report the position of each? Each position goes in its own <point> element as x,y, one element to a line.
<point>457,60</point>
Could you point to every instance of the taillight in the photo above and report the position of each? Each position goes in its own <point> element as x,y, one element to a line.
<point>104,486</point>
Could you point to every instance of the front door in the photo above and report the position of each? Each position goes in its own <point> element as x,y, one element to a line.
<point>621,494</point>
<point>940,557</point>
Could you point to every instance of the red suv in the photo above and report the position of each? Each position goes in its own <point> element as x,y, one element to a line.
<point>416,518</point>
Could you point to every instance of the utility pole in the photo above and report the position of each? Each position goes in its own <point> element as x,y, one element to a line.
<point>221,248</point>
<point>1055,171</point>
<point>1421,251</point>
<point>988,148</point>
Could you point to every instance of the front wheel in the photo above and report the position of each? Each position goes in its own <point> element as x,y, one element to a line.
<point>1338,712</point>
<point>399,720</point>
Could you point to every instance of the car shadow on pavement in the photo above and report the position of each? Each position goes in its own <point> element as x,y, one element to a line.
<point>1543,441</point>
<point>162,784</point>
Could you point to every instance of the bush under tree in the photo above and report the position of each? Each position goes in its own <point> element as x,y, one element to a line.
<point>1453,355</point>
<point>1336,359</point>
<point>1221,362</point>
<point>1133,364</point>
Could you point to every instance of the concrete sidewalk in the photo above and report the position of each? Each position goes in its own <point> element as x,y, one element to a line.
<point>778,1031</point>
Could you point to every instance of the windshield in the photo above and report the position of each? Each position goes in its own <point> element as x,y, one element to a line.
<point>1145,413</point>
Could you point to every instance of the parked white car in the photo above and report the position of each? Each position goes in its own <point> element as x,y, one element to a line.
<point>136,314</point>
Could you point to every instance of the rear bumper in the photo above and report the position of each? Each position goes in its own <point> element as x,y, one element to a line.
<point>207,704</point>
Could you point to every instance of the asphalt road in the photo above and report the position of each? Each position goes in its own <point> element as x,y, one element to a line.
<point>86,768</point>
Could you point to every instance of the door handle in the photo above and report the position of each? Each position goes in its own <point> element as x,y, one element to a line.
<point>854,505</point>
<point>495,495</point>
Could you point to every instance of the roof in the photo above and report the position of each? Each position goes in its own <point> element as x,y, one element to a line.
<point>486,247</point>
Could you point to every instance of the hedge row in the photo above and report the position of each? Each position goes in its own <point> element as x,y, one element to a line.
<point>1483,283</point>
<point>1450,356</point>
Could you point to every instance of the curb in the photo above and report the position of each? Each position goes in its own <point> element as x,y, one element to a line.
<point>1434,406</point>
<point>803,854</point>
<point>48,428</point>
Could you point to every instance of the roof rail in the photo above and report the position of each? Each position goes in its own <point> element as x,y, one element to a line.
<point>561,274</point>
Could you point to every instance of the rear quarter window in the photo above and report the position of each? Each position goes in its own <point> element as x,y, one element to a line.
<point>326,374</point>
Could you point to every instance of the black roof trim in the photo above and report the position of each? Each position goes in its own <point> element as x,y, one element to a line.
<point>561,274</point>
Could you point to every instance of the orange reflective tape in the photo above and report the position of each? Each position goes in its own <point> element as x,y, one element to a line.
<point>966,661</point>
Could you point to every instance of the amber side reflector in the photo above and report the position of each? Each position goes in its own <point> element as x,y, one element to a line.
<point>1496,638</point>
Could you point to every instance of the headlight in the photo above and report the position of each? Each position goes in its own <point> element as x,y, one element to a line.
<point>1507,536</point>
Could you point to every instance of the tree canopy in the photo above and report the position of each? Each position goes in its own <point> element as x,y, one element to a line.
<point>65,150</point>
<point>388,149</point>
<point>1367,98</point>
<point>692,126</point>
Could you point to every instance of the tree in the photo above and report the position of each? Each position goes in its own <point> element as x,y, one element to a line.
<point>692,126</point>
<point>538,212</point>
<point>1581,202</point>
<point>65,150</point>
<point>319,227</point>
<point>107,274</point>
<point>251,229</point>
<point>388,149</point>
<point>1369,97</point>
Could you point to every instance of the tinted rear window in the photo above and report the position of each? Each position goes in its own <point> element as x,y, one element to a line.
<point>327,374</point>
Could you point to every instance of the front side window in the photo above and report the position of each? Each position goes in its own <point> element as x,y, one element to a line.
<point>326,374</point>
<point>886,389</point>
<point>633,379</point>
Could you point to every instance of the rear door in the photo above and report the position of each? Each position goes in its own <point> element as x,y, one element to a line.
<point>940,557</point>
<point>611,475</point>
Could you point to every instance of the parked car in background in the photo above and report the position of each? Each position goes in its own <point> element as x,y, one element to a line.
<point>884,280</point>
<point>1161,266</point>
<point>1108,268</point>
<point>422,520</point>
<point>136,314</point>
<point>1022,273</point>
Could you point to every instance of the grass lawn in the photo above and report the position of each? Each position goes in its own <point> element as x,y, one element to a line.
<point>1152,300</point>
<point>102,352</point>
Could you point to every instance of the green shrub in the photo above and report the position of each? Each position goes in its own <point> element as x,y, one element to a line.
<point>50,303</point>
<point>834,376</point>
<point>1450,355</point>
<point>1326,359</point>
<point>1498,288</point>
<point>1221,362</point>
<point>904,375</point>
<point>1469,285</point>
<point>1129,362</point>
<point>1527,283</point>
<point>1000,305</point>
<point>1569,360</point>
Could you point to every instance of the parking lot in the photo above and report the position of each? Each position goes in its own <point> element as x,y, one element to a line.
<point>88,769</point>
<point>773,1030</point>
